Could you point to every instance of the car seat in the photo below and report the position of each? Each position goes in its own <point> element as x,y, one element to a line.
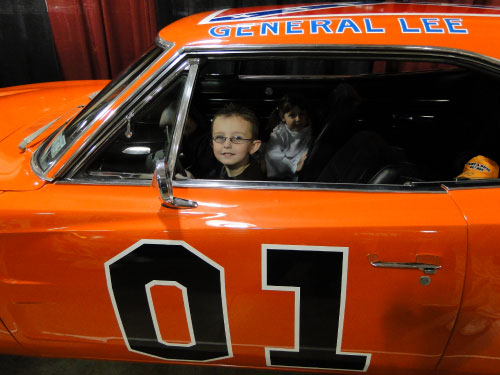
<point>366,158</point>
<point>342,104</point>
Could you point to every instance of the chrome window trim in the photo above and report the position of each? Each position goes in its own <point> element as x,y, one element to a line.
<point>194,64</point>
<point>269,185</point>
<point>316,186</point>
<point>39,172</point>
<point>230,51</point>
<point>165,44</point>
<point>417,187</point>
<point>95,181</point>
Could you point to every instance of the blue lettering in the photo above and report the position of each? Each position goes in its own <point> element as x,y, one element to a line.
<point>273,27</point>
<point>293,27</point>
<point>348,24</point>
<point>369,27</point>
<point>244,30</point>
<point>405,29</point>
<point>452,23</point>
<point>429,22</point>
<point>220,31</point>
<point>321,24</point>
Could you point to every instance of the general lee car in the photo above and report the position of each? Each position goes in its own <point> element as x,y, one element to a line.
<point>394,266</point>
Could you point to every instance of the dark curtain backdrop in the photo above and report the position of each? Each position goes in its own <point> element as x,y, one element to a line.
<point>49,40</point>
<point>27,53</point>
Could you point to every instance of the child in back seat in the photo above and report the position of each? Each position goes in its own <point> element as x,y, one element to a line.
<point>290,139</point>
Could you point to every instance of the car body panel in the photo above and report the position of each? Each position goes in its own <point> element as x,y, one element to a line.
<point>39,103</point>
<point>474,344</point>
<point>386,24</point>
<point>25,109</point>
<point>65,234</point>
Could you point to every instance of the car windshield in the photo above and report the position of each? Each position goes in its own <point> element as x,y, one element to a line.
<point>61,140</point>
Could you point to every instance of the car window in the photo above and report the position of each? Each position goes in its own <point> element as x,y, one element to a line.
<point>380,121</point>
<point>141,139</point>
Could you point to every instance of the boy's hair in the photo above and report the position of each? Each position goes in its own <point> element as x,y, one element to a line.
<point>245,113</point>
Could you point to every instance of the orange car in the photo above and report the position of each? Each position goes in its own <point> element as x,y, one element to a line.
<point>376,259</point>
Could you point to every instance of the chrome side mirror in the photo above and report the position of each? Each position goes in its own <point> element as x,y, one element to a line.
<point>163,183</point>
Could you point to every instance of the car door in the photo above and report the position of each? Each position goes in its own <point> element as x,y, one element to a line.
<point>300,285</point>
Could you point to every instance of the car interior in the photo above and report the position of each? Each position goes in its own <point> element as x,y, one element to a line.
<point>374,121</point>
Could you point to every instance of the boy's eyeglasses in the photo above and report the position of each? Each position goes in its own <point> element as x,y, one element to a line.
<point>236,139</point>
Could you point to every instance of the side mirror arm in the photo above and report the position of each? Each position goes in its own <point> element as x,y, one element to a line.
<point>164,185</point>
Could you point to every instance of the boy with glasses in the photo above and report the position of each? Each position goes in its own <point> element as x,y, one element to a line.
<point>234,140</point>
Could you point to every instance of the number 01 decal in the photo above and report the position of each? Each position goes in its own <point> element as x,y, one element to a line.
<point>132,273</point>
<point>316,275</point>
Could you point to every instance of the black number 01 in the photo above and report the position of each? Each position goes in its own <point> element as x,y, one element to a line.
<point>317,276</point>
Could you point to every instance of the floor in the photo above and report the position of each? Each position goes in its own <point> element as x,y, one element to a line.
<point>17,365</point>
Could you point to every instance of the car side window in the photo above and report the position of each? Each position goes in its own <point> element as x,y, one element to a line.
<point>143,137</point>
<point>374,121</point>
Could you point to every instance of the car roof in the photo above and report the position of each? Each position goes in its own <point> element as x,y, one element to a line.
<point>455,26</point>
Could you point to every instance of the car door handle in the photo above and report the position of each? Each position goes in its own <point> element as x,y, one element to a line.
<point>429,264</point>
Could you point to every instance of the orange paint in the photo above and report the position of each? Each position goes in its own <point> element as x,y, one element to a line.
<point>56,238</point>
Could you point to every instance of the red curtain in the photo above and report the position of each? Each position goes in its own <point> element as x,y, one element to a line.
<point>96,39</point>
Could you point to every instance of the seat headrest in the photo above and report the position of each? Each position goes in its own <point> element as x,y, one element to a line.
<point>169,115</point>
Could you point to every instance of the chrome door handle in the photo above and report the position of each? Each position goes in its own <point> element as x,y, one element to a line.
<point>429,264</point>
